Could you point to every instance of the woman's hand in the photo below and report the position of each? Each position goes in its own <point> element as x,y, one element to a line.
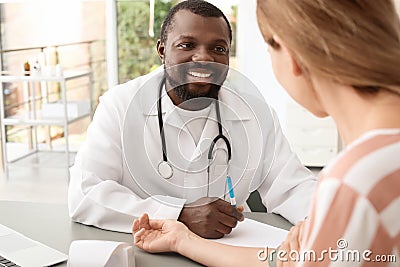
<point>158,235</point>
<point>292,242</point>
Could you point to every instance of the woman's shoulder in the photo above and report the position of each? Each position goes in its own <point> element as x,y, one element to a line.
<point>370,168</point>
<point>374,153</point>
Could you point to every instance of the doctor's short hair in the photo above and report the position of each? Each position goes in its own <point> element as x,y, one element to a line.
<point>198,7</point>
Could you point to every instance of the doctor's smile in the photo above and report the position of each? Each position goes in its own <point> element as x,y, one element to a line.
<point>193,72</point>
<point>191,80</point>
<point>199,74</point>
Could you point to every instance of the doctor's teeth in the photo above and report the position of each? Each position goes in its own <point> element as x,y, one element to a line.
<point>199,75</point>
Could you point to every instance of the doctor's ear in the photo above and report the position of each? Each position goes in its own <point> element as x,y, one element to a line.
<point>161,50</point>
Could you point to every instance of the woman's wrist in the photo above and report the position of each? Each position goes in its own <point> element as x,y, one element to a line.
<point>184,241</point>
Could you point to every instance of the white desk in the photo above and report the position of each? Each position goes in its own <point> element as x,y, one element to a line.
<point>51,225</point>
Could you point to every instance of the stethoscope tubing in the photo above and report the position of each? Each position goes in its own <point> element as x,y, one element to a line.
<point>167,173</point>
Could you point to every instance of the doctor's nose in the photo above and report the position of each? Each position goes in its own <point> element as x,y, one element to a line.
<point>202,54</point>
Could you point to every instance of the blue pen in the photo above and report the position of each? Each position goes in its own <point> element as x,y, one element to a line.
<point>230,189</point>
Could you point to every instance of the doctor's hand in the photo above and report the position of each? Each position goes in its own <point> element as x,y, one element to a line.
<point>211,217</point>
<point>159,235</point>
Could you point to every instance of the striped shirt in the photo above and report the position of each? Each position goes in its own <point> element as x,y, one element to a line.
<point>357,205</point>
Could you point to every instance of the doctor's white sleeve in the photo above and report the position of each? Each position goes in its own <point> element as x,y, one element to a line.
<point>288,186</point>
<point>96,195</point>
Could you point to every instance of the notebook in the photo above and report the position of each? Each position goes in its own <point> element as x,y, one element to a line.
<point>23,251</point>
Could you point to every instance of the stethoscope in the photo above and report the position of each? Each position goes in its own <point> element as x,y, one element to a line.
<point>164,167</point>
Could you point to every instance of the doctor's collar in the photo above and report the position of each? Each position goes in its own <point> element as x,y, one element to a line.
<point>233,106</point>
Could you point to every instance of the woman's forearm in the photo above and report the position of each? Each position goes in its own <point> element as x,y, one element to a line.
<point>211,253</point>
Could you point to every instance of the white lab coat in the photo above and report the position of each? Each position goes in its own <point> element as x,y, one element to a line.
<point>114,178</point>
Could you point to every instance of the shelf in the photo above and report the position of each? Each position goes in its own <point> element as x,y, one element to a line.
<point>52,114</point>
<point>68,75</point>
<point>61,112</point>
<point>27,119</point>
<point>45,159</point>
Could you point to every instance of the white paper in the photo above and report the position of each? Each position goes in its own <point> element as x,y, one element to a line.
<point>250,233</point>
<point>96,253</point>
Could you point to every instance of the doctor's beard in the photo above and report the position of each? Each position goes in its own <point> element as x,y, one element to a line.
<point>180,85</point>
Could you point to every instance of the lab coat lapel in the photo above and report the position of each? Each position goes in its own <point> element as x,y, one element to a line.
<point>149,98</point>
<point>183,142</point>
<point>171,116</point>
<point>179,142</point>
<point>196,183</point>
<point>210,131</point>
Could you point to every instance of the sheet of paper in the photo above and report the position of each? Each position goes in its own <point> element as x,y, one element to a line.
<point>250,233</point>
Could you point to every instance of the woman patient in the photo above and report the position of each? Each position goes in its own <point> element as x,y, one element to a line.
<point>338,59</point>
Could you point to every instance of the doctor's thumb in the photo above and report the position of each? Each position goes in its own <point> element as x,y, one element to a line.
<point>240,208</point>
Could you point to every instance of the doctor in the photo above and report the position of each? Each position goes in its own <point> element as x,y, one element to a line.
<point>150,147</point>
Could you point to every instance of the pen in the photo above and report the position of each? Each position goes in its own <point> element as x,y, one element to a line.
<point>230,189</point>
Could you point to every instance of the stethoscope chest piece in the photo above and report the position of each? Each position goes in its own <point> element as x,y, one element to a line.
<point>165,169</point>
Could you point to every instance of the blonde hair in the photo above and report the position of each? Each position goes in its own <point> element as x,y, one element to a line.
<point>352,42</point>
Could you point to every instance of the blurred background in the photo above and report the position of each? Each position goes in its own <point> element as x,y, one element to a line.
<point>58,57</point>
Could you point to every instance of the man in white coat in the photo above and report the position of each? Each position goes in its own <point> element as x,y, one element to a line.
<point>117,175</point>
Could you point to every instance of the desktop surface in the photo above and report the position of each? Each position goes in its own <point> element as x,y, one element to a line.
<point>51,225</point>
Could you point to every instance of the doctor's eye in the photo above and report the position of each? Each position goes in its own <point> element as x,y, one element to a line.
<point>185,45</point>
<point>274,44</point>
<point>221,49</point>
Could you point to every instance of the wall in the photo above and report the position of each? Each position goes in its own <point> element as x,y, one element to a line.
<point>314,140</point>
<point>40,23</point>
<point>254,61</point>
